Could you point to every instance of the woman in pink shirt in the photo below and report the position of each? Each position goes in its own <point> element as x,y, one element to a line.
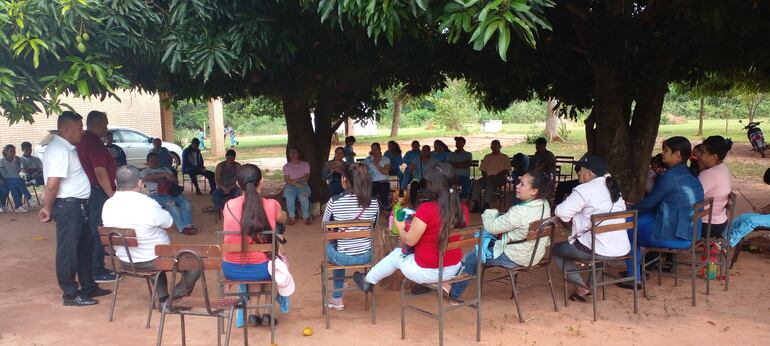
<point>296,174</point>
<point>715,178</point>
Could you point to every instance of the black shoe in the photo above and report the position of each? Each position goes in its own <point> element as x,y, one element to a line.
<point>360,280</point>
<point>81,300</point>
<point>419,289</point>
<point>98,292</point>
<point>198,192</point>
<point>628,285</point>
<point>266,320</point>
<point>578,298</point>
<point>255,320</point>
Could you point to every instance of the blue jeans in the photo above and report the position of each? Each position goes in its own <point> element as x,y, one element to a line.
<point>291,193</point>
<point>469,267</point>
<point>644,228</point>
<point>179,208</point>
<point>405,180</point>
<point>233,142</point>
<point>745,223</point>
<point>219,196</point>
<point>203,143</point>
<point>465,183</point>
<point>17,187</point>
<point>342,259</point>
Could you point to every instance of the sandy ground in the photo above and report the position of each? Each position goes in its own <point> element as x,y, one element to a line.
<point>33,314</point>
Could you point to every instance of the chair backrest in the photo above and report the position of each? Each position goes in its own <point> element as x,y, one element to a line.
<point>351,229</point>
<point>465,237</point>
<point>189,257</point>
<point>702,214</point>
<point>112,237</point>
<point>599,225</point>
<point>538,230</point>
<point>566,161</point>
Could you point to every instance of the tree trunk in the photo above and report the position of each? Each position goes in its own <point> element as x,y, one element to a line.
<point>314,146</point>
<point>625,137</point>
<point>552,122</point>
<point>701,113</point>
<point>398,103</point>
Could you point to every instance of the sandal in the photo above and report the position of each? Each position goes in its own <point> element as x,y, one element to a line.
<point>291,221</point>
<point>308,221</point>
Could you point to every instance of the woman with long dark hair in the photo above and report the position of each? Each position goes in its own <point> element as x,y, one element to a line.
<point>249,214</point>
<point>715,178</point>
<point>428,233</point>
<point>379,166</point>
<point>396,160</point>
<point>355,203</point>
<point>332,172</point>
<point>665,214</point>
<point>596,193</point>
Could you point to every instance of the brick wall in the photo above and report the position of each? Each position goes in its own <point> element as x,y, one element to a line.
<point>136,110</point>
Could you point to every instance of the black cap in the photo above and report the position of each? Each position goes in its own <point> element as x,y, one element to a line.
<point>594,163</point>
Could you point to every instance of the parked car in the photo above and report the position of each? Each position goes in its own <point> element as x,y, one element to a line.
<point>135,143</point>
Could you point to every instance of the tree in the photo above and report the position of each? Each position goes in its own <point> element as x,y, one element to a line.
<point>552,121</point>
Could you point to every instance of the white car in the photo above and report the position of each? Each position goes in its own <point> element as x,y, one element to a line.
<point>135,143</point>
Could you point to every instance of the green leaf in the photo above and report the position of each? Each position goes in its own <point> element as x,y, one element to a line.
<point>82,87</point>
<point>503,40</point>
<point>422,3</point>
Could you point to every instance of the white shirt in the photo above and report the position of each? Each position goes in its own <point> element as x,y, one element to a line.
<point>460,157</point>
<point>375,174</point>
<point>129,209</point>
<point>588,199</point>
<point>61,161</point>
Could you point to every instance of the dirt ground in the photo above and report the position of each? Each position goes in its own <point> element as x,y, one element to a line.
<point>33,314</point>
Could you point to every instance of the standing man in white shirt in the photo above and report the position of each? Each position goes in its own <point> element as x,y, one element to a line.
<point>130,208</point>
<point>67,190</point>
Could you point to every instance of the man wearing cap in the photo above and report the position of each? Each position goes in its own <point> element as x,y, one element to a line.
<point>67,190</point>
<point>494,172</point>
<point>99,166</point>
<point>543,160</point>
<point>461,161</point>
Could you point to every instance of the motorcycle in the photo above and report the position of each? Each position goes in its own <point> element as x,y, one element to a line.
<point>756,138</point>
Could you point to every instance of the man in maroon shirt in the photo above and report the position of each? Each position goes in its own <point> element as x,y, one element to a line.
<point>100,168</point>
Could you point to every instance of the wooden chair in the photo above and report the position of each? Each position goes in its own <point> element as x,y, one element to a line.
<point>541,230</point>
<point>335,230</point>
<point>701,210</point>
<point>112,238</point>
<point>202,182</point>
<point>468,237</point>
<point>474,165</point>
<point>258,286</point>
<point>194,257</point>
<point>597,265</point>
<point>565,161</point>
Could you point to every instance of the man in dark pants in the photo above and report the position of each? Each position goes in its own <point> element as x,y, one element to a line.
<point>99,167</point>
<point>192,164</point>
<point>66,202</point>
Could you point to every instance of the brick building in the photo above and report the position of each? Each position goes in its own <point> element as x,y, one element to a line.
<point>136,110</point>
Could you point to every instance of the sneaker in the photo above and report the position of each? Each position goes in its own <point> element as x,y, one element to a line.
<point>104,278</point>
<point>22,210</point>
<point>335,304</point>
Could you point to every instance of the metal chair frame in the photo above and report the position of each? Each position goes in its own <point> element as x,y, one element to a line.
<point>591,265</point>
<point>271,248</point>
<point>700,210</point>
<point>331,231</point>
<point>469,236</point>
<point>195,257</point>
<point>541,229</point>
<point>126,237</point>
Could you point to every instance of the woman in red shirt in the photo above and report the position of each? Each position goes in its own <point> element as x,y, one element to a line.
<point>428,234</point>
<point>249,214</point>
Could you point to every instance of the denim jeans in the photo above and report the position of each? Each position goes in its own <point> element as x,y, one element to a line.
<point>179,208</point>
<point>381,189</point>
<point>469,267</point>
<point>342,259</point>
<point>291,193</point>
<point>644,228</point>
<point>95,206</point>
<point>745,223</point>
<point>17,187</point>
<point>219,197</point>
<point>396,260</point>
<point>407,178</point>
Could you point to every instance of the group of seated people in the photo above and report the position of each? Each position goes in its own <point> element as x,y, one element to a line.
<point>16,173</point>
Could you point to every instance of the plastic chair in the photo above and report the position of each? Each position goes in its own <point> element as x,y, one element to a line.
<point>541,230</point>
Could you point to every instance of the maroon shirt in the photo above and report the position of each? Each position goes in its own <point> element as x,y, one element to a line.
<point>93,153</point>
